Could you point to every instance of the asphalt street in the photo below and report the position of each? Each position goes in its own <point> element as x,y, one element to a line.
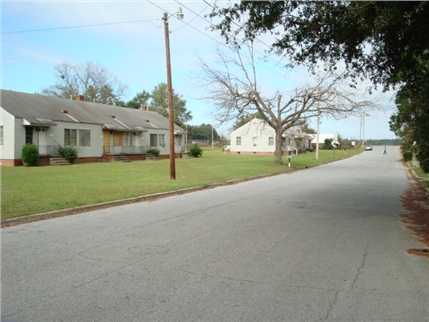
<point>321,244</point>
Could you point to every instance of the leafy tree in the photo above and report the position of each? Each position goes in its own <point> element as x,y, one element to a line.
<point>202,132</point>
<point>331,31</point>
<point>307,129</point>
<point>328,144</point>
<point>383,141</point>
<point>138,100</point>
<point>92,80</point>
<point>410,123</point>
<point>159,103</point>
<point>243,119</point>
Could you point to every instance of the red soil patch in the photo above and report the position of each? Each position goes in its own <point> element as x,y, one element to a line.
<point>416,203</point>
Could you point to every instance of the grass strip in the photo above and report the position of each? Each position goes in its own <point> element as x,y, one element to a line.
<point>420,173</point>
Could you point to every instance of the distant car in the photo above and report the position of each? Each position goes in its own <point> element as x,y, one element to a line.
<point>368,148</point>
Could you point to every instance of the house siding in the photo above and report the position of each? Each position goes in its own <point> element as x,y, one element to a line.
<point>255,138</point>
<point>253,129</point>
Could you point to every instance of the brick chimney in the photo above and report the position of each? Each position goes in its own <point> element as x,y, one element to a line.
<point>144,107</point>
<point>80,97</point>
<point>251,117</point>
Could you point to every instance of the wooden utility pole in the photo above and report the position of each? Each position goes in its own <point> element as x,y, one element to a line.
<point>318,120</point>
<point>170,100</point>
<point>318,132</point>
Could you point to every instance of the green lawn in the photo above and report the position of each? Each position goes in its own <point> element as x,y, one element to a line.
<point>419,172</point>
<point>31,190</point>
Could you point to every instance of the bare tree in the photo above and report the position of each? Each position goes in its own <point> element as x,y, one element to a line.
<point>233,88</point>
<point>92,80</point>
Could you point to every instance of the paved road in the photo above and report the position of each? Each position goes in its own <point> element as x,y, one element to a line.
<point>323,244</point>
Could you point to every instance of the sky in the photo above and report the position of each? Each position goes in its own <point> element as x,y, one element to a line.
<point>127,38</point>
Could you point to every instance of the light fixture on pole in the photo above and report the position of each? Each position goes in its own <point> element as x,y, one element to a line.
<point>179,15</point>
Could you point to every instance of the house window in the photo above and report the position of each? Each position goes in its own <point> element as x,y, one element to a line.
<point>84,138</point>
<point>255,140</point>
<point>153,140</point>
<point>70,137</point>
<point>29,135</point>
<point>128,139</point>
<point>161,139</point>
<point>238,140</point>
<point>157,140</point>
<point>1,135</point>
<point>271,141</point>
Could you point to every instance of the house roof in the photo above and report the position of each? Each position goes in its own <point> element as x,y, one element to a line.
<point>322,137</point>
<point>263,126</point>
<point>43,110</point>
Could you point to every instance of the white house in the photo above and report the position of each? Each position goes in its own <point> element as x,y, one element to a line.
<point>322,137</point>
<point>257,136</point>
<point>100,131</point>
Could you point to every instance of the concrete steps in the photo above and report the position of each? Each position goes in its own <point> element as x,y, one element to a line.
<point>121,158</point>
<point>58,161</point>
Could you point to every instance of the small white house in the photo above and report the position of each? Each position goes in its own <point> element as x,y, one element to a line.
<point>101,132</point>
<point>258,137</point>
<point>322,137</point>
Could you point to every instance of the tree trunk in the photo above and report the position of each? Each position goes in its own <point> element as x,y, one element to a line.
<point>278,153</point>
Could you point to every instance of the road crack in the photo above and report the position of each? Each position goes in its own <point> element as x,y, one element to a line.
<point>359,270</point>
<point>331,306</point>
<point>352,286</point>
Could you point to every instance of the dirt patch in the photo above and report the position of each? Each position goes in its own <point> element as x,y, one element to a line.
<point>416,203</point>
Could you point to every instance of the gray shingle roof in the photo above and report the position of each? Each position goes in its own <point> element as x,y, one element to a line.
<point>46,110</point>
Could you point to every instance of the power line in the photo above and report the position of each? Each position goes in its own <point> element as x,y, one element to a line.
<point>151,21</point>
<point>75,27</point>
<point>256,38</point>
<point>283,76</point>
<point>196,14</point>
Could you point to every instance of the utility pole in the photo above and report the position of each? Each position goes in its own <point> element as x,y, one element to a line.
<point>170,100</point>
<point>362,130</point>
<point>170,94</point>
<point>318,132</point>
<point>318,121</point>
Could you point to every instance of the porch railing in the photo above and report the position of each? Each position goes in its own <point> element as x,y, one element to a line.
<point>113,149</point>
<point>48,149</point>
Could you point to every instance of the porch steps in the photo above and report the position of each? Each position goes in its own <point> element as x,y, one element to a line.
<point>121,158</point>
<point>58,161</point>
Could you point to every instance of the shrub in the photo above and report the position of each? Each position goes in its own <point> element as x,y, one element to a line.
<point>30,155</point>
<point>328,144</point>
<point>195,151</point>
<point>155,152</point>
<point>407,155</point>
<point>69,153</point>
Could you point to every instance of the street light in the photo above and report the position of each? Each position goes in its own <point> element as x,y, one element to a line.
<point>179,15</point>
